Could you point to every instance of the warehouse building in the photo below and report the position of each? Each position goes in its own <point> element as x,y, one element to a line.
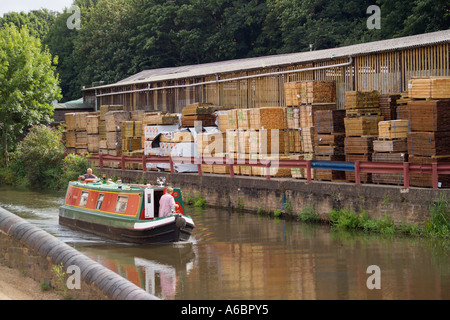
<point>386,66</point>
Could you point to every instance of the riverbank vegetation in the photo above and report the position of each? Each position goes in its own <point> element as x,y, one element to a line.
<point>39,161</point>
<point>438,225</point>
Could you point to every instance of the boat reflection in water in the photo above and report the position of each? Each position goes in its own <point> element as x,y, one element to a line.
<point>158,269</point>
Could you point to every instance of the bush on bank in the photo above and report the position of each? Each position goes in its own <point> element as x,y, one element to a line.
<point>39,161</point>
<point>437,226</point>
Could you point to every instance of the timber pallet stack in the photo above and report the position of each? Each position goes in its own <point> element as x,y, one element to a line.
<point>428,113</point>
<point>391,146</point>
<point>361,128</point>
<point>198,113</point>
<point>329,142</point>
<point>303,99</point>
<point>77,132</point>
<point>388,106</point>
<point>102,132</point>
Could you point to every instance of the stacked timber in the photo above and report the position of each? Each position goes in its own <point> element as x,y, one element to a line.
<point>293,117</point>
<point>362,126</point>
<point>391,146</point>
<point>300,173</point>
<point>81,144</point>
<point>309,92</point>
<point>360,103</point>
<point>292,93</point>
<point>76,136</point>
<point>429,88</point>
<point>308,124</point>
<point>428,113</point>
<point>131,132</point>
<point>359,148</point>
<point>93,138</point>
<point>113,121</point>
<point>388,105</point>
<point>329,142</point>
<point>70,132</point>
<point>198,113</point>
<point>102,132</point>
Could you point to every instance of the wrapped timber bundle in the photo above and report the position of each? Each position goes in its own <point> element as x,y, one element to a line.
<point>426,179</point>
<point>388,106</point>
<point>429,88</point>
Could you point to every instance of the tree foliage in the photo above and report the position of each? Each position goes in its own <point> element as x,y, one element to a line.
<point>28,85</point>
<point>119,38</point>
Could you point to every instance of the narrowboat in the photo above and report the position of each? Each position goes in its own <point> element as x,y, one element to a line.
<point>124,212</point>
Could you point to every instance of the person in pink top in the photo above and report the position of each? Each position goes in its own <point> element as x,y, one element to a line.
<point>166,203</point>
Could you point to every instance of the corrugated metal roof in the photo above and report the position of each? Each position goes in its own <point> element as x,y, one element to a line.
<point>207,69</point>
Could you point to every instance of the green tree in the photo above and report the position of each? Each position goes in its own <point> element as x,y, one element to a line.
<point>102,50</point>
<point>28,85</point>
<point>39,156</point>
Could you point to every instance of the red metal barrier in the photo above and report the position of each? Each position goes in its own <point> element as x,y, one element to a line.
<point>405,168</point>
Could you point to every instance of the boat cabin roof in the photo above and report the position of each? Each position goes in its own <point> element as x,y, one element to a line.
<point>112,186</point>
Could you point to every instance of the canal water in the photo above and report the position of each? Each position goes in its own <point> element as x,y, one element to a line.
<point>249,257</point>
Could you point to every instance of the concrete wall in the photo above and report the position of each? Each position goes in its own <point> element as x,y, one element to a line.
<point>34,252</point>
<point>253,193</point>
